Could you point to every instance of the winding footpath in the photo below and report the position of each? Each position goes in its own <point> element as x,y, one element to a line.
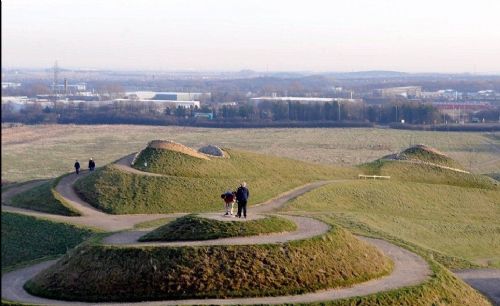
<point>409,268</point>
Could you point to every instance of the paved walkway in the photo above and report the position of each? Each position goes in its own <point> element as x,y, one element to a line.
<point>486,281</point>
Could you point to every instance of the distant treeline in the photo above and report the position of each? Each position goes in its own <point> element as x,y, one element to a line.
<point>285,114</point>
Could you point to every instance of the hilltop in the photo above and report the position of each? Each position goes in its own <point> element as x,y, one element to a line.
<point>425,154</point>
<point>425,164</point>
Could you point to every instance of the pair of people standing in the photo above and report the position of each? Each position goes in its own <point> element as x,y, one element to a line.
<point>91,166</point>
<point>240,196</point>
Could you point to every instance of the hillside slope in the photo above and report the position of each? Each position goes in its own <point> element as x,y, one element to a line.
<point>191,184</point>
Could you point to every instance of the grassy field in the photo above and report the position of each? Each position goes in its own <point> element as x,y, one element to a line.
<point>460,222</point>
<point>26,238</point>
<point>331,260</point>
<point>44,198</point>
<point>47,151</point>
<point>192,227</point>
<point>195,185</point>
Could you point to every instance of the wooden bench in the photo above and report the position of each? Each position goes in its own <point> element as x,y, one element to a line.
<point>363,176</point>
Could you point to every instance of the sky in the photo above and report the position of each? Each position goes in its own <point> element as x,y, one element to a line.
<point>448,36</point>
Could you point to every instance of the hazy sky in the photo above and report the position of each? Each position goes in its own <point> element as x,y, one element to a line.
<point>313,35</point>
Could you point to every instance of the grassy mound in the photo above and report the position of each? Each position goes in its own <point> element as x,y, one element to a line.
<point>426,173</point>
<point>44,198</point>
<point>104,273</point>
<point>191,184</point>
<point>26,238</point>
<point>459,222</point>
<point>168,145</point>
<point>241,165</point>
<point>197,228</point>
<point>427,154</point>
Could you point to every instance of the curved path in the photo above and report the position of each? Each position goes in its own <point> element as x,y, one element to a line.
<point>485,280</point>
<point>306,228</point>
<point>409,268</point>
<point>420,162</point>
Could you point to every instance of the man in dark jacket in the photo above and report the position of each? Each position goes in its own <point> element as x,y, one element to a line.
<point>242,195</point>
<point>77,167</point>
<point>91,164</point>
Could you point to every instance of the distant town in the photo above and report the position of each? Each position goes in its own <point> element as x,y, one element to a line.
<point>248,98</point>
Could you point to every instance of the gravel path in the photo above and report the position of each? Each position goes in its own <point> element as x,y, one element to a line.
<point>306,228</point>
<point>487,281</point>
<point>12,191</point>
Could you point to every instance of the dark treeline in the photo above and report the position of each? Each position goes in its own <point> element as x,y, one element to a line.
<point>263,113</point>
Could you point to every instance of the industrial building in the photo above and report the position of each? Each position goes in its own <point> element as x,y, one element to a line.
<point>6,85</point>
<point>410,92</point>
<point>170,96</point>
<point>165,103</point>
<point>69,87</point>
<point>304,99</point>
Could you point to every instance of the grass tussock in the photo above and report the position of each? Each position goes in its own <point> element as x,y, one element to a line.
<point>44,198</point>
<point>192,227</point>
<point>103,273</point>
<point>195,185</point>
<point>26,238</point>
<point>458,222</point>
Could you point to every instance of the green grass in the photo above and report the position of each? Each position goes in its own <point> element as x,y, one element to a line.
<point>443,288</point>
<point>199,183</point>
<point>408,172</point>
<point>47,151</point>
<point>455,221</point>
<point>44,198</point>
<point>240,165</point>
<point>104,273</point>
<point>153,223</point>
<point>26,238</point>
<point>192,227</point>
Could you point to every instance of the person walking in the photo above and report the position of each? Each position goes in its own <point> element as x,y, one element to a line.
<point>242,195</point>
<point>91,164</point>
<point>77,167</point>
<point>229,199</point>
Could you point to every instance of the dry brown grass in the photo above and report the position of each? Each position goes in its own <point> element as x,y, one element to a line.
<point>176,147</point>
<point>45,151</point>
